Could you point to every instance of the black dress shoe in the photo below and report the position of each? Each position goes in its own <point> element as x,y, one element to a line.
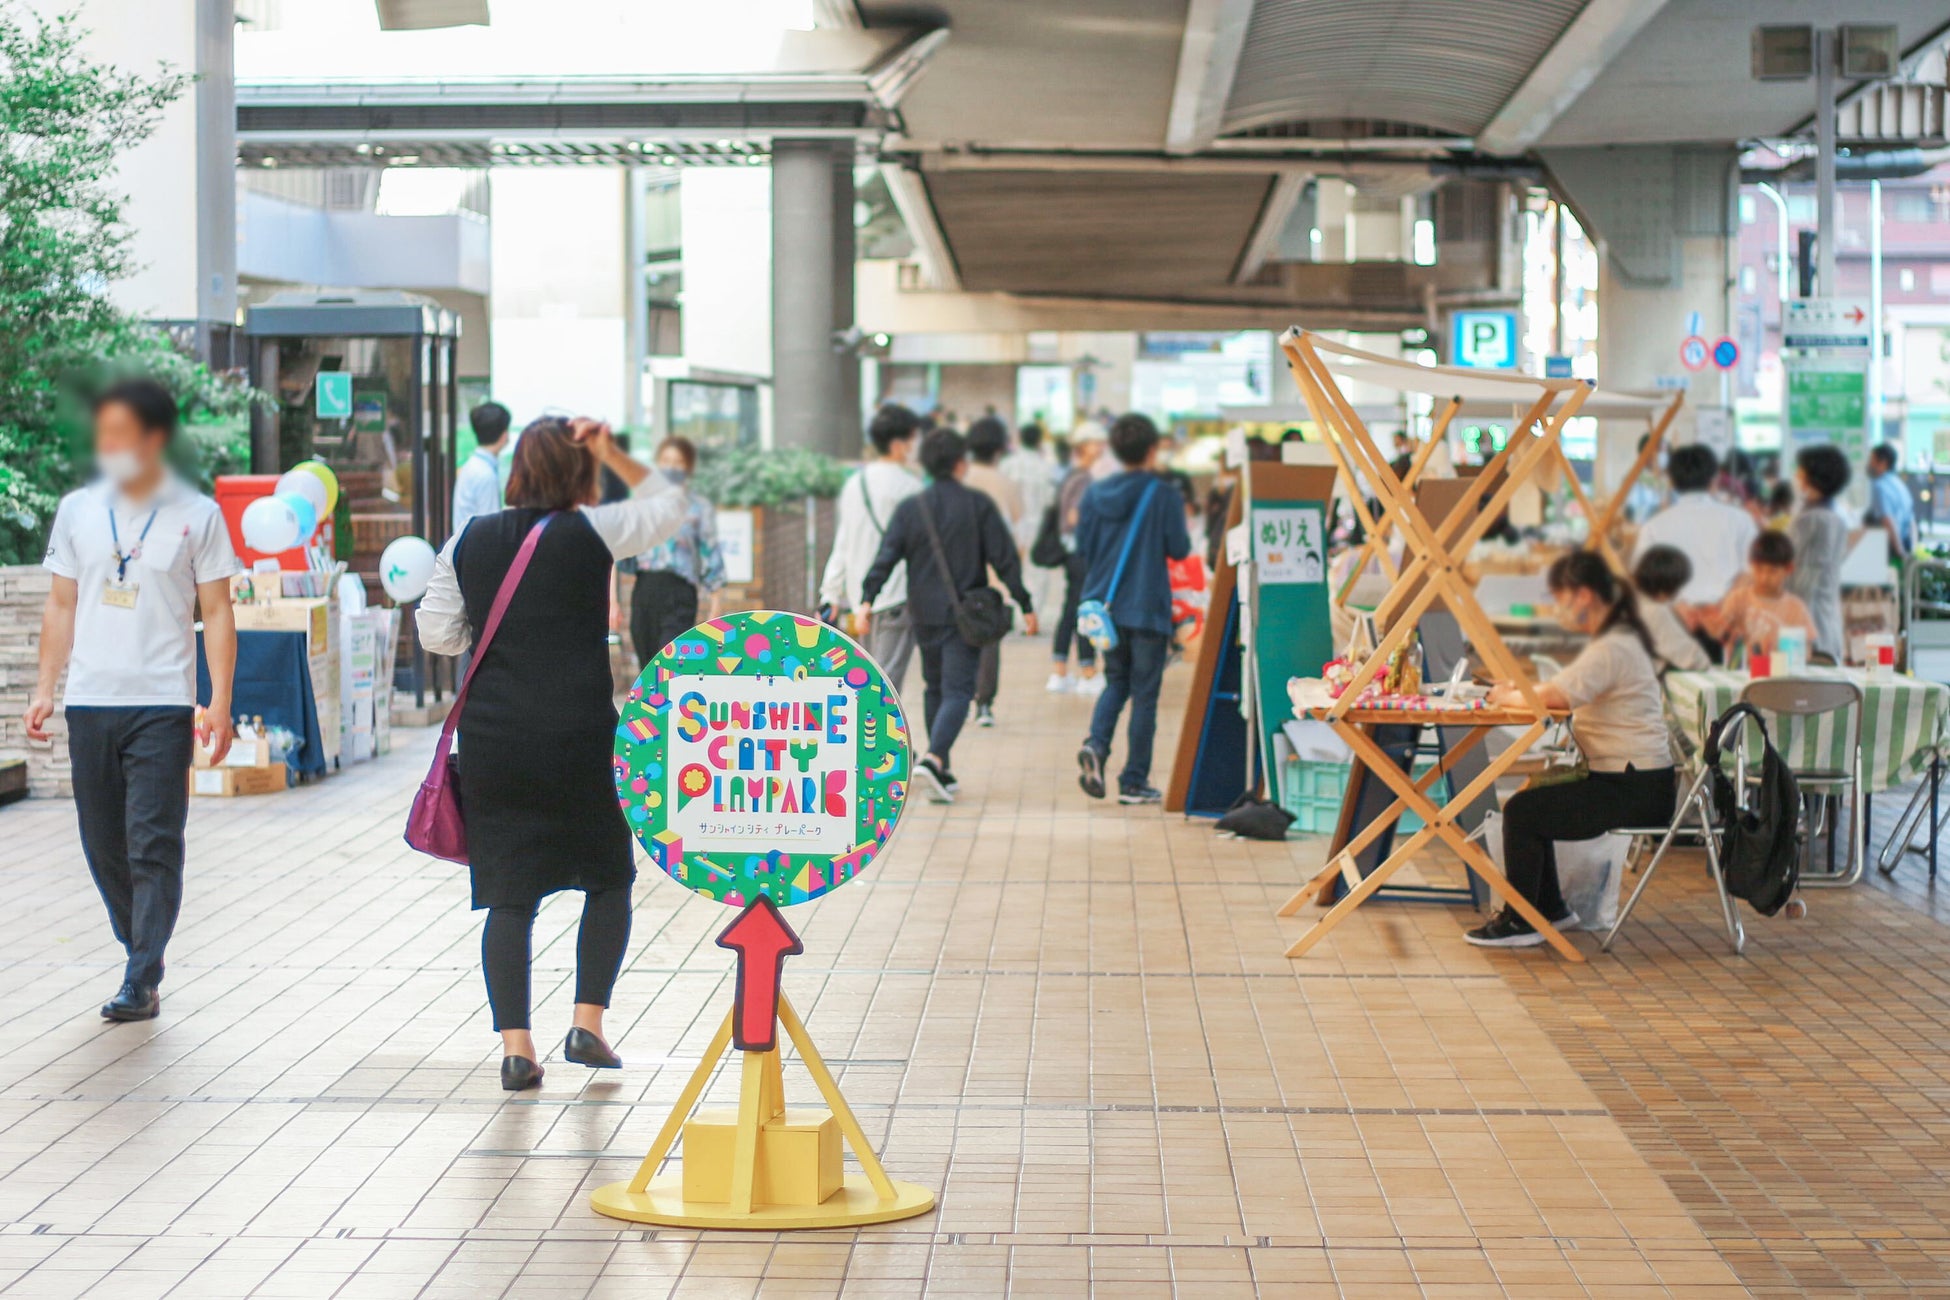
<point>518,1073</point>
<point>584,1048</point>
<point>133,1002</point>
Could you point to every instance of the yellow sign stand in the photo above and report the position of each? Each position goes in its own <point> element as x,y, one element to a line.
<point>762,1166</point>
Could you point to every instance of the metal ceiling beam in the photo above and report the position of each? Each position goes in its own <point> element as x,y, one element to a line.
<point>909,190</point>
<point>1208,57</point>
<point>1586,48</point>
<point>1281,198</point>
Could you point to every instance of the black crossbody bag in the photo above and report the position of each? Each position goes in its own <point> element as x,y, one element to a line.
<point>980,615</point>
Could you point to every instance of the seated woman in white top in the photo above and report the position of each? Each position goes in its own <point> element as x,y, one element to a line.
<point>1618,719</point>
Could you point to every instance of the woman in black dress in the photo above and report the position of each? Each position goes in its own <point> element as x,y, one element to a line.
<point>538,728</point>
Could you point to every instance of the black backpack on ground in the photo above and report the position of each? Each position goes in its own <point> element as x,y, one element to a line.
<point>1252,818</point>
<point>1760,850</point>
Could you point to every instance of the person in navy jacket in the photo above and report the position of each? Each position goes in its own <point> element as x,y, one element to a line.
<point>1139,505</point>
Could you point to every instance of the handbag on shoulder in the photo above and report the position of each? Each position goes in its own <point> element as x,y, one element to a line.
<point>434,825</point>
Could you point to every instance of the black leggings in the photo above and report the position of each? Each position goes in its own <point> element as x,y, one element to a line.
<point>1076,570</point>
<point>1534,820</point>
<point>600,942</point>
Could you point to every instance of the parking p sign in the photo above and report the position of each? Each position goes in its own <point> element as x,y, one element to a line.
<point>1483,340</point>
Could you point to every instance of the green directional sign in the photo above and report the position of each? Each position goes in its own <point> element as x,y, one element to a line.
<point>334,395</point>
<point>1828,405</point>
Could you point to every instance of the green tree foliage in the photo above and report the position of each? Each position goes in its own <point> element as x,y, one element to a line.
<point>63,120</point>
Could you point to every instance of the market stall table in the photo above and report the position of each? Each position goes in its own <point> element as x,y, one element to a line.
<point>1902,734</point>
<point>1435,560</point>
<point>1902,721</point>
<point>273,681</point>
<point>1471,726</point>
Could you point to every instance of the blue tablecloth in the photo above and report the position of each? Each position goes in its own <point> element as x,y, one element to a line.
<point>273,681</point>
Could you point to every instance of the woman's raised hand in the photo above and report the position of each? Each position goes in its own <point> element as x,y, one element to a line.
<point>593,434</point>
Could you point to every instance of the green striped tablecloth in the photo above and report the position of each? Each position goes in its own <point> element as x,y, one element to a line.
<point>1902,721</point>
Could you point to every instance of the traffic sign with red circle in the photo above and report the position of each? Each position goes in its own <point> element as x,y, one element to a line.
<point>1726,353</point>
<point>1693,352</point>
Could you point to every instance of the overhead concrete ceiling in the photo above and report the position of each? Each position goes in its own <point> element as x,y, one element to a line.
<point>1067,74</point>
<point>1431,63</point>
<point>1053,134</point>
<point>1097,234</point>
<point>1684,76</point>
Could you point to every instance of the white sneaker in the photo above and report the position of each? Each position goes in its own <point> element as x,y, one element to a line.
<point>1091,686</point>
<point>1058,684</point>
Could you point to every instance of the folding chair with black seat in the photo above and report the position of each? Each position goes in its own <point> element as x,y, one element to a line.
<point>1695,804</point>
<point>1806,700</point>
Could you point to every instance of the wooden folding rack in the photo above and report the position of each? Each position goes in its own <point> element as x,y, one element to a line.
<point>1433,572</point>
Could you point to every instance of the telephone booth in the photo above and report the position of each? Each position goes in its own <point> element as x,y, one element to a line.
<point>365,381</point>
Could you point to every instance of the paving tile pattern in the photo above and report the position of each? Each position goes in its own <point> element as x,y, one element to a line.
<point>1072,1020</point>
<point>1796,1099</point>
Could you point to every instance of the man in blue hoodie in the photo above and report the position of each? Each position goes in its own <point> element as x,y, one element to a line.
<point>1138,512</point>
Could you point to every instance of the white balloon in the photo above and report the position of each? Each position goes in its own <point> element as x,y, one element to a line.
<point>405,568</point>
<point>270,526</point>
<point>307,485</point>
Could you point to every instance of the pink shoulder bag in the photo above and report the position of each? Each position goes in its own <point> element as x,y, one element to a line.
<point>435,825</point>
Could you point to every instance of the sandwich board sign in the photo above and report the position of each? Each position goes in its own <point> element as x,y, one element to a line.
<point>763,761</point>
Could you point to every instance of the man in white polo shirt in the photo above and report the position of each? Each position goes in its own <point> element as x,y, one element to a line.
<point>1714,534</point>
<point>133,555</point>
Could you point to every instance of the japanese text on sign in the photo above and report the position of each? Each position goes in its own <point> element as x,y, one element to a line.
<point>758,761</point>
<point>1289,544</point>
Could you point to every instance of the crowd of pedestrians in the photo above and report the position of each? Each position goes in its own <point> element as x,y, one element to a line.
<point>934,541</point>
<point>945,543</point>
<point>939,523</point>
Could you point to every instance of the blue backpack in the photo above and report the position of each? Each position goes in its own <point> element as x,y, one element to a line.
<point>1093,616</point>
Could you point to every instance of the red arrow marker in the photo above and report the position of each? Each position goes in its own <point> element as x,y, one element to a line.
<point>763,941</point>
<point>1854,316</point>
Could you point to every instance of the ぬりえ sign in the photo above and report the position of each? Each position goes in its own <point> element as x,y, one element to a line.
<point>1289,544</point>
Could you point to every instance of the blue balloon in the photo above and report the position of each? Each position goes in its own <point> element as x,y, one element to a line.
<point>307,513</point>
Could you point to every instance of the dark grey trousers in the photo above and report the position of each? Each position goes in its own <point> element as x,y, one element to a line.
<point>132,795</point>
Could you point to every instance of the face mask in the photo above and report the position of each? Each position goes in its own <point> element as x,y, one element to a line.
<point>677,477</point>
<point>119,467</point>
<point>1568,618</point>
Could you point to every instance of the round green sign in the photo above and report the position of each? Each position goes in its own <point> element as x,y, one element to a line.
<point>762,753</point>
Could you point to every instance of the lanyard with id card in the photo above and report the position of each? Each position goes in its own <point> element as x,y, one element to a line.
<point>118,592</point>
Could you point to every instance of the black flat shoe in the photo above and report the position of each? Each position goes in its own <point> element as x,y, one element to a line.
<point>584,1048</point>
<point>518,1073</point>
<point>133,1002</point>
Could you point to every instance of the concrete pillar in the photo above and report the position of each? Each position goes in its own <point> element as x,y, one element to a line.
<point>181,182</point>
<point>815,387</point>
<point>1663,215</point>
<point>852,429</point>
<point>216,178</point>
<point>1640,328</point>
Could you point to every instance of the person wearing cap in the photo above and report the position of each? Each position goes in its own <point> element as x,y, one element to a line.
<point>1087,445</point>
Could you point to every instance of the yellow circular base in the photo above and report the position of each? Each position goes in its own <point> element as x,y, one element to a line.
<point>855,1203</point>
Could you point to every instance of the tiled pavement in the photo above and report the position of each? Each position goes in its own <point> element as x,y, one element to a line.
<point>1074,1021</point>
